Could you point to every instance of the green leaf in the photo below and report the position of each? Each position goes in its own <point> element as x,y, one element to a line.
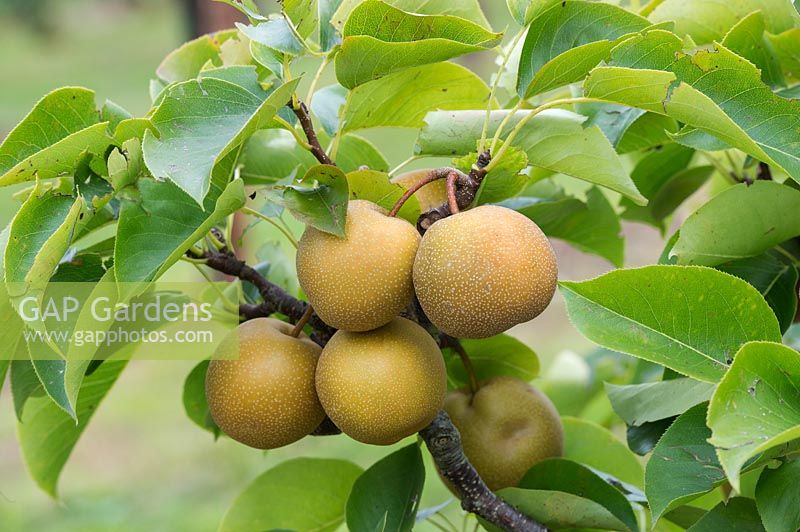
<point>756,406</point>
<point>714,233</point>
<point>612,119</point>
<point>558,509</point>
<point>775,278</point>
<point>194,399</point>
<point>186,62</point>
<point>319,199</point>
<point>684,465</point>
<point>404,98</point>
<point>379,39</point>
<point>637,404</point>
<point>356,152</point>
<point>199,123</point>
<point>4,364</point>
<point>748,39</point>
<point>275,34</point>
<point>303,14</point>
<point>706,22</point>
<point>492,357</point>
<point>777,493</point>
<point>698,90</point>
<point>386,496</point>
<point>554,140</point>
<point>503,181</point>
<point>327,104</point>
<point>466,9</point>
<point>51,139</point>
<point>40,235</point>
<point>595,446</point>
<point>648,131</point>
<point>689,319</point>
<point>786,46</point>
<point>47,434</point>
<point>567,40</point>
<point>271,155</point>
<point>157,228</point>
<point>303,494</point>
<point>374,186</point>
<point>737,514</point>
<point>592,227</point>
<point>557,474</point>
<point>24,381</point>
<point>524,11</point>
<point>328,35</point>
<point>643,438</point>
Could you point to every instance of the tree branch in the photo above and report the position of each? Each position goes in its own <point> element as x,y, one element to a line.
<point>308,128</point>
<point>444,443</point>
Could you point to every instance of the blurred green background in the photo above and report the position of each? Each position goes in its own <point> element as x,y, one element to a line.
<point>142,465</point>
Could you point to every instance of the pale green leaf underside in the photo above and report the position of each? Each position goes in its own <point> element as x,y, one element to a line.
<point>642,403</point>
<point>756,406</point>
<point>689,319</point>
<point>466,9</point>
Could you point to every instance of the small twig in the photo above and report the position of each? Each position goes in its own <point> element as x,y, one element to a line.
<point>444,443</point>
<point>451,193</point>
<point>298,327</point>
<point>308,128</point>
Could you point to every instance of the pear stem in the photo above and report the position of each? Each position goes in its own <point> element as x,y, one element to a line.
<point>298,328</point>
<point>430,177</point>
<point>452,202</point>
<point>466,361</point>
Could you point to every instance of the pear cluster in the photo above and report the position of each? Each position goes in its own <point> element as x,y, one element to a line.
<point>382,377</point>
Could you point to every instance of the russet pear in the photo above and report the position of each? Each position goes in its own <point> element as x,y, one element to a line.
<point>482,271</point>
<point>506,427</point>
<point>382,385</point>
<point>266,397</point>
<point>362,281</point>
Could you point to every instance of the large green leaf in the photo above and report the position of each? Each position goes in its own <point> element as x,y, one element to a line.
<point>524,11</point>
<point>275,34</point>
<point>328,35</point>
<point>466,9</point>
<point>379,39</point>
<point>199,123</point>
<point>592,226</point>
<point>47,434</point>
<point>777,493</point>
<point>557,474</point>
<point>375,186</point>
<point>684,465</point>
<point>493,357</point>
<point>748,39</point>
<point>558,509</point>
<point>24,381</point>
<point>554,140</point>
<point>713,234</point>
<point>186,62</point>
<point>194,398</point>
<point>356,152</point>
<point>156,228</point>
<point>786,46</point>
<point>637,404</point>
<point>319,199</point>
<point>40,235</point>
<point>504,180</point>
<point>404,98</point>
<point>271,155</point>
<point>756,406</point>
<point>715,91</point>
<point>681,317</point>
<point>567,40</point>
<point>302,494</point>
<point>775,277</point>
<point>51,139</point>
<point>737,514</point>
<point>710,20</point>
<point>595,446</point>
<point>387,495</point>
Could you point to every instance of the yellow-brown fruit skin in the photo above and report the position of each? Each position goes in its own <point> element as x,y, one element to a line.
<point>482,271</point>
<point>507,428</point>
<point>381,386</point>
<point>430,196</point>
<point>362,281</point>
<point>266,398</point>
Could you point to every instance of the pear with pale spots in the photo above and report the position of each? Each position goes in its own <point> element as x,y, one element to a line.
<point>482,271</point>
<point>383,385</point>
<point>260,385</point>
<point>362,281</point>
<point>506,427</point>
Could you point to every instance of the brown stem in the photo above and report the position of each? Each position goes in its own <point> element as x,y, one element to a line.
<point>452,203</point>
<point>444,443</point>
<point>301,111</point>
<point>466,188</point>
<point>298,327</point>
<point>433,175</point>
<point>453,343</point>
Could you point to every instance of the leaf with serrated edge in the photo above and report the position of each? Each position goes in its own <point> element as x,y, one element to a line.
<point>756,406</point>
<point>690,319</point>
